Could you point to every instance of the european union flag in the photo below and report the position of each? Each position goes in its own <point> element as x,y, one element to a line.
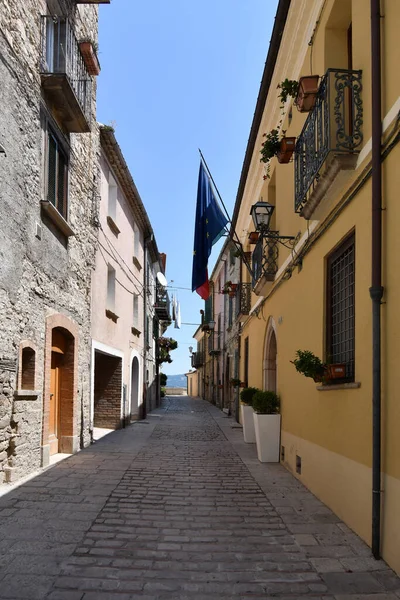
<point>209,226</point>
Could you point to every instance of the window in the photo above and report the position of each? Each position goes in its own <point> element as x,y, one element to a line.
<point>112,197</point>
<point>28,369</point>
<point>136,242</point>
<point>341,307</point>
<point>246,362</point>
<point>135,310</point>
<point>56,169</point>
<point>111,288</point>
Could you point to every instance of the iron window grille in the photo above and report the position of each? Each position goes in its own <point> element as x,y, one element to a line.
<point>341,306</point>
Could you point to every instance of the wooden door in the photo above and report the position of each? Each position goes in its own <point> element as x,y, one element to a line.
<point>55,387</point>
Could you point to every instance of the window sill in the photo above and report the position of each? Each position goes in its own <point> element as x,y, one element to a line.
<point>57,218</point>
<point>26,394</point>
<point>113,226</point>
<point>339,386</point>
<point>135,331</point>
<point>111,315</point>
<point>136,263</point>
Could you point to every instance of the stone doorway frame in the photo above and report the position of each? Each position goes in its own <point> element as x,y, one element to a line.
<point>69,439</point>
<point>270,358</point>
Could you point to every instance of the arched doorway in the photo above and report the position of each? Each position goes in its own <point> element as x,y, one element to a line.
<point>269,379</point>
<point>61,402</point>
<point>135,389</point>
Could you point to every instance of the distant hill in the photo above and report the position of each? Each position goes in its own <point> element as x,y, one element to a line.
<point>176,381</point>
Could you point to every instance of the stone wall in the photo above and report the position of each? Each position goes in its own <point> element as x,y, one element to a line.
<point>41,272</point>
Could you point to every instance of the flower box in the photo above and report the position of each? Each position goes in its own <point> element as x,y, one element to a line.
<point>307,93</point>
<point>286,149</point>
<point>90,58</point>
<point>335,371</point>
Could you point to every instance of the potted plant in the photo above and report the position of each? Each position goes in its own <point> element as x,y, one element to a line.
<point>288,89</point>
<point>89,54</point>
<point>276,145</point>
<point>310,365</point>
<point>246,411</point>
<point>303,91</point>
<point>253,237</point>
<point>307,93</point>
<point>267,425</point>
<point>229,287</point>
<point>235,382</point>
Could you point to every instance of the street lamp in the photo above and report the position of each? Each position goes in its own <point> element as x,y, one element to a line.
<point>261,213</point>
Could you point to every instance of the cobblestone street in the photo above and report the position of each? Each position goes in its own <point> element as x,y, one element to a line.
<point>178,507</point>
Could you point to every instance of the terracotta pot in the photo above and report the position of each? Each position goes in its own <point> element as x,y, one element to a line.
<point>253,237</point>
<point>286,149</point>
<point>90,58</point>
<point>336,371</point>
<point>307,93</point>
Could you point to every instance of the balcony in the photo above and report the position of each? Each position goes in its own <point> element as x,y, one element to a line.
<point>328,146</point>
<point>66,84</point>
<point>197,360</point>
<point>243,299</point>
<point>265,263</point>
<point>162,303</point>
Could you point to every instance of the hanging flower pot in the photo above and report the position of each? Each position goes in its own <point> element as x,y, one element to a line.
<point>286,149</point>
<point>90,57</point>
<point>253,237</point>
<point>307,93</point>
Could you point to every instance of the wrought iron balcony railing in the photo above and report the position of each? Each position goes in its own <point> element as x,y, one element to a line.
<point>265,258</point>
<point>162,303</point>
<point>65,79</point>
<point>243,299</point>
<point>330,138</point>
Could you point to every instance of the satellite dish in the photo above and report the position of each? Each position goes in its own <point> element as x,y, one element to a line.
<point>162,279</point>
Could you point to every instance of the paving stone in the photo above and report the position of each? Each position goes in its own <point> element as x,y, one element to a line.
<point>192,516</point>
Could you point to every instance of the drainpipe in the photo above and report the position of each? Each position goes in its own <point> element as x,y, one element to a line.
<point>376,289</point>
<point>142,412</point>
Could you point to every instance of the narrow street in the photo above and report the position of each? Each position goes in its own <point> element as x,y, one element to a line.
<point>178,507</point>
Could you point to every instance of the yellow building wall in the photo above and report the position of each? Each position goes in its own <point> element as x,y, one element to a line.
<point>332,430</point>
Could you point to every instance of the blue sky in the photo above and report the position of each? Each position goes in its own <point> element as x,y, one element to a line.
<point>177,76</point>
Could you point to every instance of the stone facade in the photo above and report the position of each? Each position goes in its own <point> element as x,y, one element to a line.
<point>45,273</point>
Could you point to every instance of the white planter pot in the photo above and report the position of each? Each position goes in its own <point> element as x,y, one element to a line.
<point>248,424</point>
<point>268,433</point>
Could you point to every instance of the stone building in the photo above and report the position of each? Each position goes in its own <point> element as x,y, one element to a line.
<point>126,303</point>
<point>48,183</point>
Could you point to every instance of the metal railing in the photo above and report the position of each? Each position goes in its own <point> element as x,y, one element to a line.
<point>197,359</point>
<point>334,125</point>
<point>60,55</point>
<point>162,302</point>
<point>265,257</point>
<point>243,299</point>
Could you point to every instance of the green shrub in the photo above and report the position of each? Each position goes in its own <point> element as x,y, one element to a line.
<point>309,365</point>
<point>246,395</point>
<point>162,392</point>
<point>266,403</point>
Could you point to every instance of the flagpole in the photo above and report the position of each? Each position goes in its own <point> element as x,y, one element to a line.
<point>246,262</point>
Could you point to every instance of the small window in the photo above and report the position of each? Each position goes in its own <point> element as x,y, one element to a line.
<point>111,288</point>
<point>135,310</point>
<point>340,325</point>
<point>56,174</point>
<point>112,197</point>
<point>28,369</point>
